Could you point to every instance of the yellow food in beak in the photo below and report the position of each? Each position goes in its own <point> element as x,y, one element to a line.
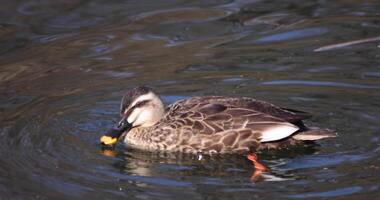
<point>107,140</point>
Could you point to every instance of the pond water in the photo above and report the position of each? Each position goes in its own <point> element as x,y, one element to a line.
<point>64,66</point>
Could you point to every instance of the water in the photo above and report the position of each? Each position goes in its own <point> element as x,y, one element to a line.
<point>65,65</point>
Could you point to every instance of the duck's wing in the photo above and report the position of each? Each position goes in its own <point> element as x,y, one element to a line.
<point>211,116</point>
<point>286,114</point>
<point>289,115</point>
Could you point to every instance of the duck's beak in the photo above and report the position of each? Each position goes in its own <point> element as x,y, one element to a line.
<point>113,135</point>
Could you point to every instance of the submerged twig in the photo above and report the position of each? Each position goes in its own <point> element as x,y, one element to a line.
<point>344,44</point>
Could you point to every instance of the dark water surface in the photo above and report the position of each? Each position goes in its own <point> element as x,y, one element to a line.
<point>65,64</point>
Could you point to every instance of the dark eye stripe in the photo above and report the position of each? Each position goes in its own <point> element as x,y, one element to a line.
<point>137,105</point>
<point>141,103</point>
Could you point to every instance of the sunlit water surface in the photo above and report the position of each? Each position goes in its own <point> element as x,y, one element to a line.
<point>64,66</point>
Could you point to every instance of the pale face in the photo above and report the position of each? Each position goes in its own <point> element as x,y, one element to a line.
<point>145,111</point>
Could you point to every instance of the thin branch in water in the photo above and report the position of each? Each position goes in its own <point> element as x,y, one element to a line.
<point>344,44</point>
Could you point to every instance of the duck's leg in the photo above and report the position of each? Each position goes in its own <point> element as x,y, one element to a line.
<point>259,168</point>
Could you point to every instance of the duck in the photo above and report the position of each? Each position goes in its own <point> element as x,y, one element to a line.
<point>209,125</point>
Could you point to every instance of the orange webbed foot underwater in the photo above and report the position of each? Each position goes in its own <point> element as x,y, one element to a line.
<point>259,168</point>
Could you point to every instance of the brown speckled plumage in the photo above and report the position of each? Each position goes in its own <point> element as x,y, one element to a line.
<point>214,124</point>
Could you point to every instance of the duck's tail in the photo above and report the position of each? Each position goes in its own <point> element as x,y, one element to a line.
<point>314,133</point>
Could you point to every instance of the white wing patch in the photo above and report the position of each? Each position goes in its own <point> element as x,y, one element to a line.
<point>278,132</point>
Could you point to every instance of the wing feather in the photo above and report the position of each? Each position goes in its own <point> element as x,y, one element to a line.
<point>212,115</point>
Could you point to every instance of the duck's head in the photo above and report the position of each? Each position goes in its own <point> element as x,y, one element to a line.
<point>140,107</point>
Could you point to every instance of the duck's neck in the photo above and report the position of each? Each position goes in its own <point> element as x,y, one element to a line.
<point>141,137</point>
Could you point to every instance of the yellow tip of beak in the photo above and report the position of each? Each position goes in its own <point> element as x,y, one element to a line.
<point>107,140</point>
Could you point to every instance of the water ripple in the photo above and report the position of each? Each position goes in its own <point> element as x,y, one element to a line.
<point>319,83</point>
<point>295,34</point>
<point>65,64</point>
<point>329,193</point>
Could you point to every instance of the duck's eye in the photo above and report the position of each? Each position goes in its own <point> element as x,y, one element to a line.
<point>121,124</point>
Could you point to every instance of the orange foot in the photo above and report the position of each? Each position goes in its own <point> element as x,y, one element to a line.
<point>259,168</point>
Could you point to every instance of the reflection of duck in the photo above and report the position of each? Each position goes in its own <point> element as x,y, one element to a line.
<point>158,165</point>
<point>209,124</point>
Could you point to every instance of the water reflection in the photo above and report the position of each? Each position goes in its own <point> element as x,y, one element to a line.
<point>145,164</point>
<point>65,65</point>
